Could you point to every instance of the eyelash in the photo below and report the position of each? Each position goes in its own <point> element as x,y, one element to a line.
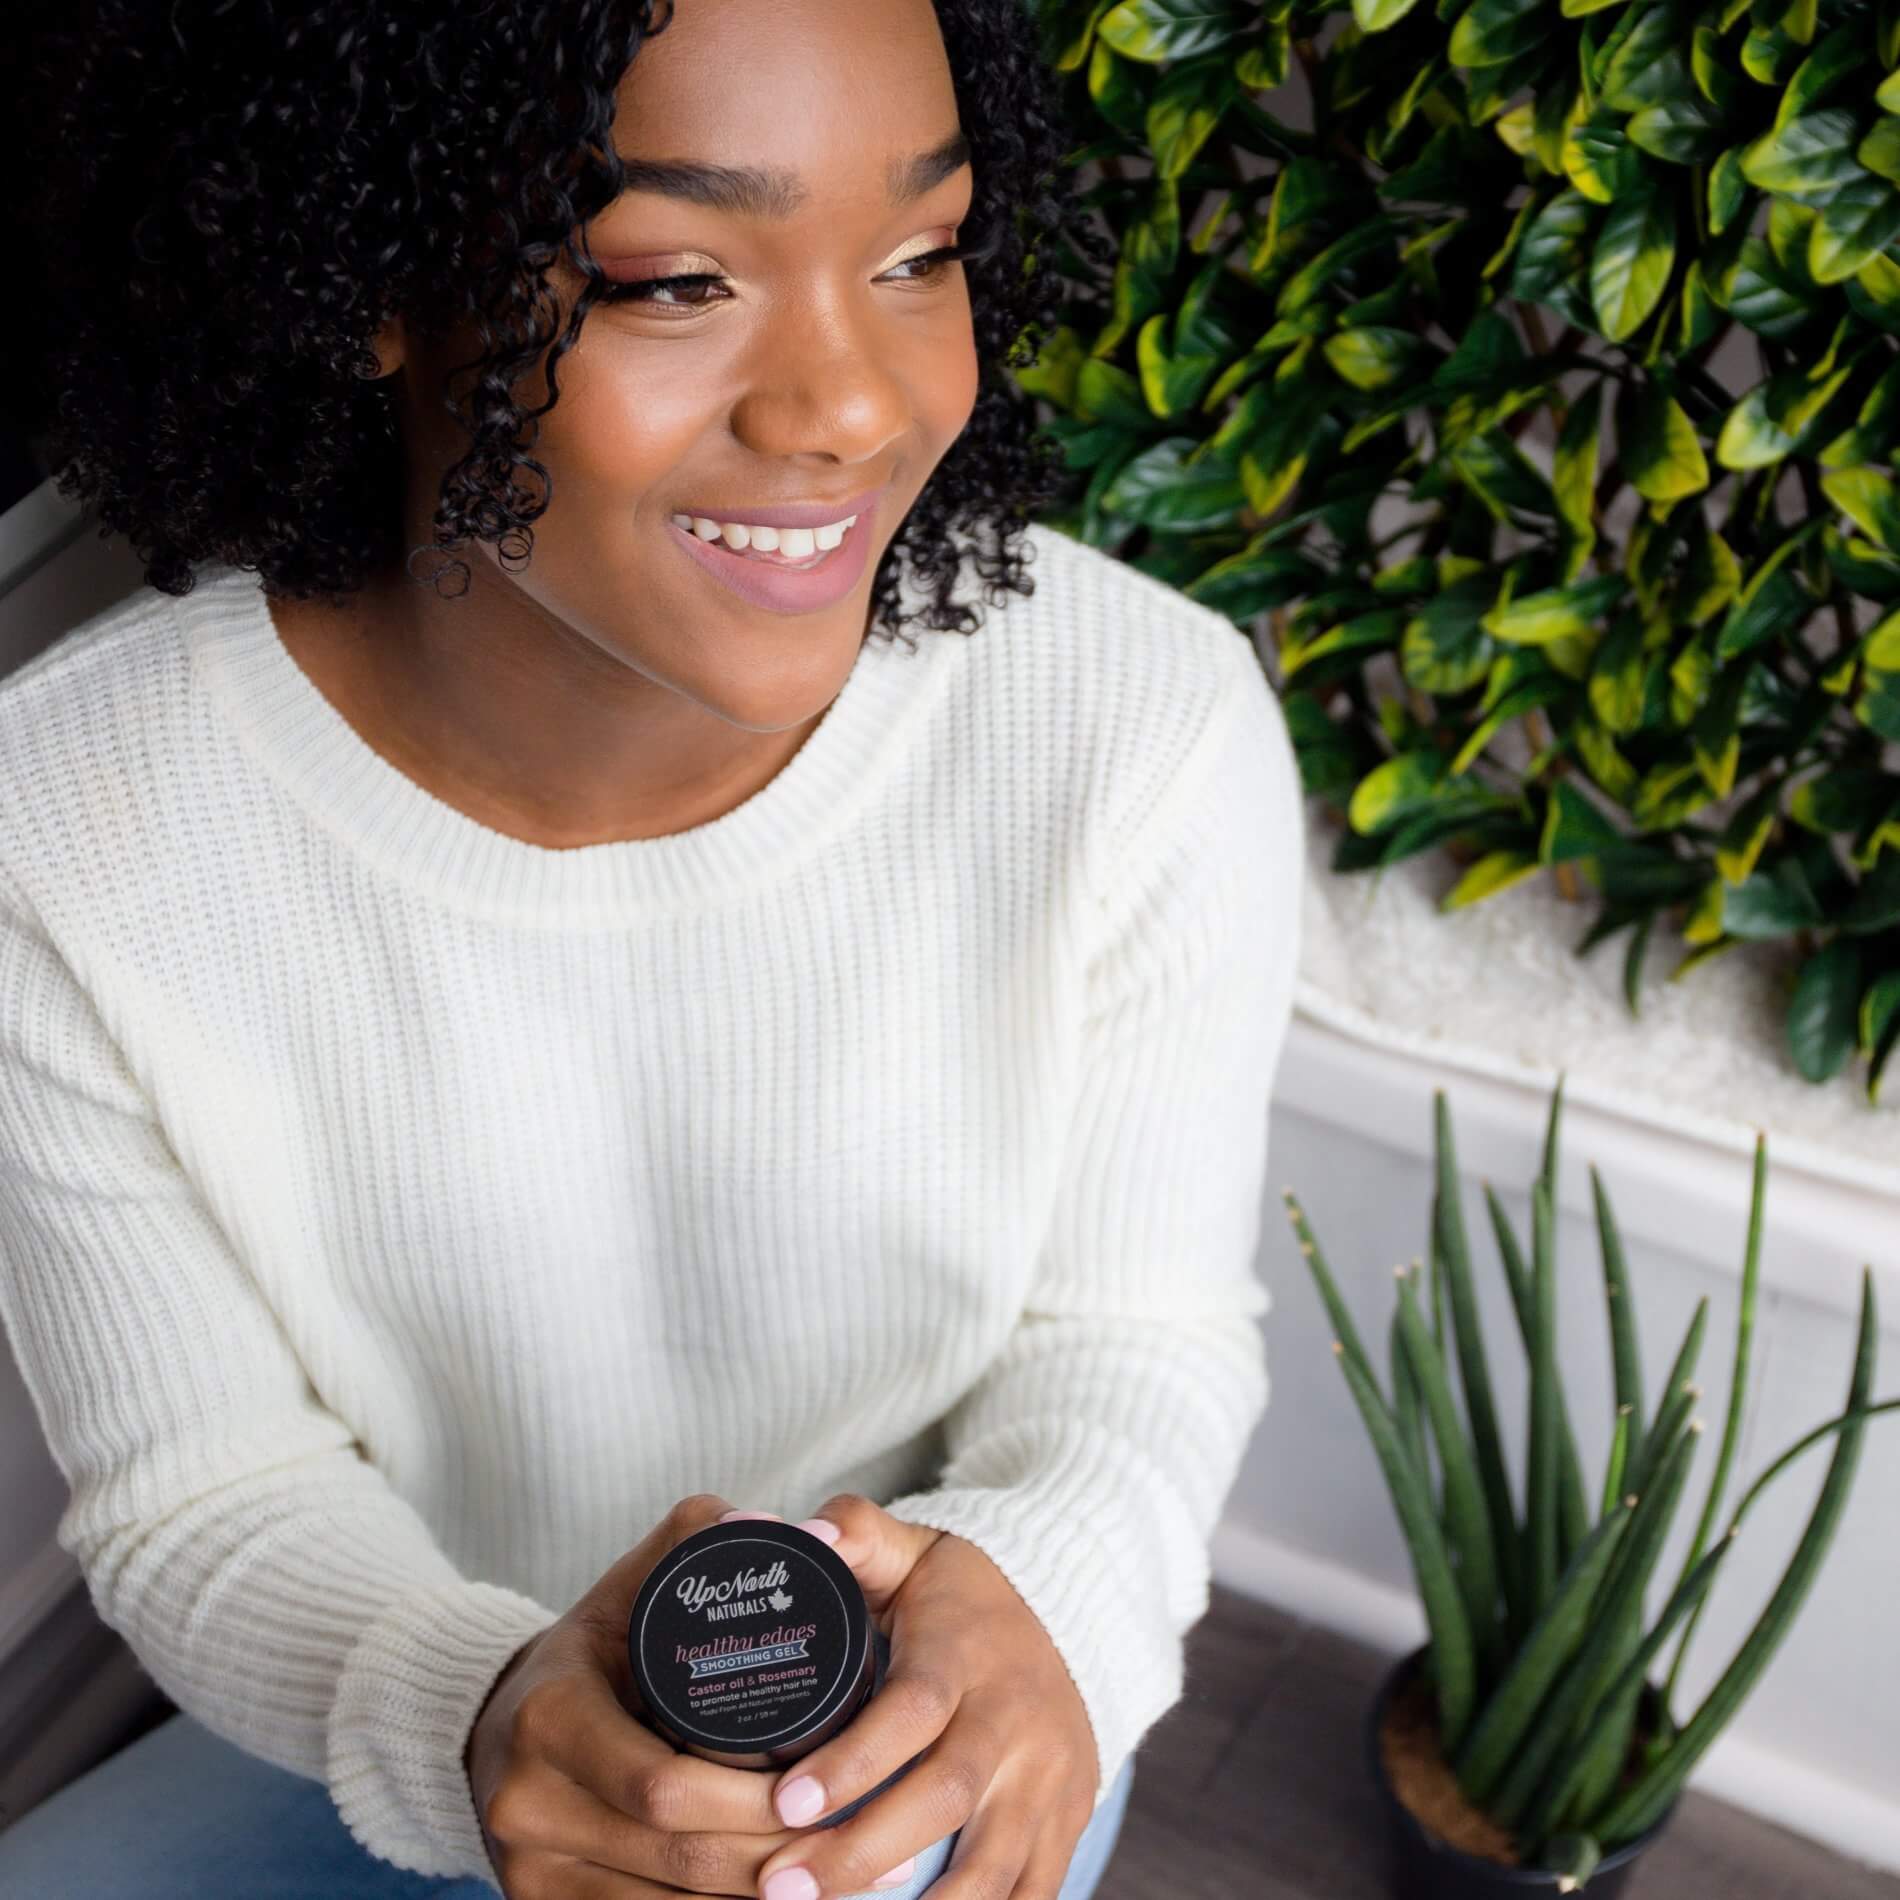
<point>641,290</point>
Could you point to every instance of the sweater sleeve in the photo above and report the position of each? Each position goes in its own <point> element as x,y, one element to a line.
<point>1092,1459</point>
<point>260,1568</point>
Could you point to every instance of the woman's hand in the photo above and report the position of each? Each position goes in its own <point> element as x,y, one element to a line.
<point>578,1798</point>
<point>976,1686</point>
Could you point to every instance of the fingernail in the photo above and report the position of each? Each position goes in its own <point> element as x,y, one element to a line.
<point>898,1875</point>
<point>773,1515</point>
<point>819,1527</point>
<point>791,1883</point>
<point>801,1801</point>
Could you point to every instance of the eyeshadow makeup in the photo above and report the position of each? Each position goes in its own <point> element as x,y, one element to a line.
<point>751,1645</point>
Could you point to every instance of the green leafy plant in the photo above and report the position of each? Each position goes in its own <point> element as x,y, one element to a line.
<point>1539,1637</point>
<point>1534,367</point>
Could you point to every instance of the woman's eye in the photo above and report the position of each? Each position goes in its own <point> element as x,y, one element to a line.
<point>650,289</point>
<point>940,259</point>
<point>668,293</point>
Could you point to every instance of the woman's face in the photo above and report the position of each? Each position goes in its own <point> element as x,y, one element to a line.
<point>821,365</point>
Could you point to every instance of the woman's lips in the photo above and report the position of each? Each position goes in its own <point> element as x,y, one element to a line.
<point>781,589</point>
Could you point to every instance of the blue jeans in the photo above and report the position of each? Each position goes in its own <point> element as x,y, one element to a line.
<point>182,1815</point>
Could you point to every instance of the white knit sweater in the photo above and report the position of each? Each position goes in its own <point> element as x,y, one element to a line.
<point>397,1217</point>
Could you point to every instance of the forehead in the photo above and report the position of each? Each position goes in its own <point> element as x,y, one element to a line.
<point>829,92</point>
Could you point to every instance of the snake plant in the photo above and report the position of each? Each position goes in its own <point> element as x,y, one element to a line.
<point>1540,1638</point>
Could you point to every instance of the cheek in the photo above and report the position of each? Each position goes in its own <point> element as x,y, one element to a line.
<point>622,429</point>
<point>947,395</point>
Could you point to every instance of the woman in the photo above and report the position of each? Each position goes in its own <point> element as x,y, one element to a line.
<point>524,1029</point>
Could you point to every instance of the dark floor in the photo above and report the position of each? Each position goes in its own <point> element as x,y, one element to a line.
<point>1254,1787</point>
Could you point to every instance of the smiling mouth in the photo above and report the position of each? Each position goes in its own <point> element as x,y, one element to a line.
<point>769,558</point>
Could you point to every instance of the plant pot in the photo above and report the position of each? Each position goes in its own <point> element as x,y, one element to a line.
<point>1424,1866</point>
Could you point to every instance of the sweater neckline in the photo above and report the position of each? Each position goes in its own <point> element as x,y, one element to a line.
<point>312,751</point>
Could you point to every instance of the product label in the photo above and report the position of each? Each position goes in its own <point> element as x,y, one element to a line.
<point>745,1651</point>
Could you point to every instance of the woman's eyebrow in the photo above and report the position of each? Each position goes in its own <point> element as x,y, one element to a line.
<point>752,191</point>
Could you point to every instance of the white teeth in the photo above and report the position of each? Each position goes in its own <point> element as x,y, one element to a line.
<point>794,544</point>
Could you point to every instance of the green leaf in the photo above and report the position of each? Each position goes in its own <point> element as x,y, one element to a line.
<point>1662,455</point>
<point>1823,1018</point>
<point>1188,104</point>
<point>1495,871</point>
<point>1363,631</point>
<point>1246,584</point>
<point>1647,64</point>
<point>1489,32</point>
<point>1839,58</point>
<point>1765,296</point>
<point>1574,474</point>
<point>1275,455</point>
<point>1574,827</point>
<point>1866,496</point>
<point>1880,1028</point>
<point>1156,30</point>
<point>1106,393</point>
<point>1681,129</point>
<point>1121,89</point>
<point>1616,684</point>
<point>1554,613</point>
<point>1396,789</point>
<point>1727,190</point>
<point>1373,356</point>
<point>1879,151</point>
<point>1159,489</point>
<point>1555,247</point>
<point>1715,737</point>
<point>1746,833</point>
<point>1598,158</point>
<point>1667,794</point>
<point>1630,262</point>
<point>1772,903</point>
<point>1814,152</point>
<point>1445,649</point>
<point>1749,438</point>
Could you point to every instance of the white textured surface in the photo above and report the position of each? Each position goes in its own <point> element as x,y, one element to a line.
<point>1497,988</point>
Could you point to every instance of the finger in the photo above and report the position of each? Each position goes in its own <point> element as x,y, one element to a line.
<point>559,1818</point>
<point>933,1799</point>
<point>603,1749</point>
<point>578,1880</point>
<point>882,1550</point>
<point>908,1714</point>
<point>1000,1852</point>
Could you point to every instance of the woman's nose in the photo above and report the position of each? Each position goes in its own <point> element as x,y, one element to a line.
<point>822,389</point>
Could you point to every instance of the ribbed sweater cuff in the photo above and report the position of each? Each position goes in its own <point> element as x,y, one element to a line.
<point>1078,1565</point>
<point>408,1696</point>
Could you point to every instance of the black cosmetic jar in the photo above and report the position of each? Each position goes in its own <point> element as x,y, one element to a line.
<point>751,1645</point>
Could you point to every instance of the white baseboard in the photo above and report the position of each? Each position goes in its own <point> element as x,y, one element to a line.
<point>1776,1787</point>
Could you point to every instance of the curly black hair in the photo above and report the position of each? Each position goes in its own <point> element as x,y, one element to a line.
<point>228,201</point>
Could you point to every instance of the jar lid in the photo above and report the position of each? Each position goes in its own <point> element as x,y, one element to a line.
<point>750,1642</point>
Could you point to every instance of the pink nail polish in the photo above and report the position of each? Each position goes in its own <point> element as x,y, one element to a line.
<point>773,1515</point>
<point>898,1875</point>
<point>801,1801</point>
<point>820,1527</point>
